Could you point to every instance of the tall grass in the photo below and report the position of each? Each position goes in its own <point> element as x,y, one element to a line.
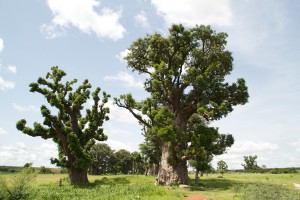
<point>17,187</point>
<point>117,188</point>
<point>260,191</point>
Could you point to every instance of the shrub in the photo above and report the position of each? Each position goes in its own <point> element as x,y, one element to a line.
<point>260,191</point>
<point>45,170</point>
<point>17,187</point>
<point>284,171</point>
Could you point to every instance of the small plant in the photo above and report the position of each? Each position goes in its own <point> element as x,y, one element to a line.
<point>17,187</point>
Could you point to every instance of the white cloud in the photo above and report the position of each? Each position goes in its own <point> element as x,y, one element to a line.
<point>122,55</point>
<point>127,79</point>
<point>82,15</point>
<point>117,145</point>
<point>141,19</point>
<point>3,131</point>
<point>6,84</point>
<point>12,69</point>
<point>296,144</point>
<point>120,114</point>
<point>192,12</point>
<point>20,153</point>
<point>52,31</point>
<point>235,155</point>
<point>1,45</point>
<point>250,147</point>
<point>27,108</point>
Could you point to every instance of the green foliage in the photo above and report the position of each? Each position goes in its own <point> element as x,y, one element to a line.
<point>124,161</point>
<point>73,132</point>
<point>222,167</point>
<point>266,192</point>
<point>187,71</point>
<point>251,164</point>
<point>17,187</point>
<point>283,171</point>
<point>45,170</point>
<point>108,188</point>
<point>104,160</point>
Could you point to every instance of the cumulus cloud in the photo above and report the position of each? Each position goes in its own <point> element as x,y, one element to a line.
<point>117,145</point>
<point>127,79</point>
<point>82,15</point>
<point>20,153</point>
<point>1,45</point>
<point>4,84</point>
<point>51,31</point>
<point>249,147</point>
<point>3,131</point>
<point>27,108</point>
<point>235,155</point>
<point>122,55</point>
<point>142,20</point>
<point>120,114</point>
<point>192,12</point>
<point>12,69</point>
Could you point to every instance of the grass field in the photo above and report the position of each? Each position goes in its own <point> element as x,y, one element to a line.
<point>133,187</point>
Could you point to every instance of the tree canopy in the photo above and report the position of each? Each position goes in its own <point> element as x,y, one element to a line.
<point>74,132</point>
<point>186,79</point>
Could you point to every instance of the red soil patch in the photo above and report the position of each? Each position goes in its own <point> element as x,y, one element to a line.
<point>195,197</point>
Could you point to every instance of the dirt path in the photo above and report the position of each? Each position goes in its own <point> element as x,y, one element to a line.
<point>297,186</point>
<point>195,197</point>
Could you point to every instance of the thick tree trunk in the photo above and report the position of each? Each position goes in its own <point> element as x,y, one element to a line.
<point>169,174</point>
<point>78,177</point>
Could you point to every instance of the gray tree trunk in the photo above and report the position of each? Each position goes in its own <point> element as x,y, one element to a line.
<point>169,174</point>
<point>78,177</point>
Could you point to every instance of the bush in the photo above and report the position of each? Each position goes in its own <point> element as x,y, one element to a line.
<point>45,170</point>
<point>3,189</point>
<point>283,171</point>
<point>267,192</point>
<point>17,188</point>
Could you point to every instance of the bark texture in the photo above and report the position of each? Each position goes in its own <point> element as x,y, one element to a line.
<point>168,173</point>
<point>78,177</point>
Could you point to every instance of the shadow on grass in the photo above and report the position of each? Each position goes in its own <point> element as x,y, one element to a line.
<point>112,181</point>
<point>104,181</point>
<point>213,184</point>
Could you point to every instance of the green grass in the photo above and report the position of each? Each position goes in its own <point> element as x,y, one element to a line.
<point>236,185</point>
<point>104,187</point>
<point>233,186</point>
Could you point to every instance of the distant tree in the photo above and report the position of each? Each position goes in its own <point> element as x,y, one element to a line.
<point>186,76</point>
<point>251,164</point>
<point>104,159</point>
<point>208,142</point>
<point>26,165</point>
<point>151,153</point>
<point>222,167</point>
<point>73,132</point>
<point>124,161</point>
<point>200,166</point>
<point>29,167</point>
<point>137,163</point>
<point>45,170</point>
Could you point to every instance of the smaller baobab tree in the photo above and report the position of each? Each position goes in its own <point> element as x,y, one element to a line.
<point>73,133</point>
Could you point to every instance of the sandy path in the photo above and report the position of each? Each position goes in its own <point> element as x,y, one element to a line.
<point>195,197</point>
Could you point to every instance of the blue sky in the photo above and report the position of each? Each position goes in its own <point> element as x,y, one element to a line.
<point>88,38</point>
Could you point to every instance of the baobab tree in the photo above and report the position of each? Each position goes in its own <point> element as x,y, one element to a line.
<point>186,77</point>
<point>72,131</point>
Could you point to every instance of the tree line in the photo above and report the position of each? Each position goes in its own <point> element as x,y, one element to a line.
<point>186,81</point>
